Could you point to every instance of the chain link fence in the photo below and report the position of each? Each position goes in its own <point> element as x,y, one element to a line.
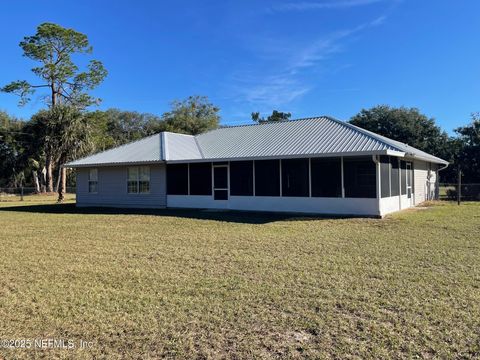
<point>468,192</point>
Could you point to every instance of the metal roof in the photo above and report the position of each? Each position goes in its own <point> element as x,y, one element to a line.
<point>141,151</point>
<point>180,147</point>
<point>320,136</point>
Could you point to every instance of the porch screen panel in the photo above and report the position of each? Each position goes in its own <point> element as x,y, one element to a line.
<point>177,179</point>
<point>403,175</point>
<point>359,178</point>
<point>326,177</point>
<point>201,179</point>
<point>295,175</point>
<point>241,178</point>
<point>267,177</point>
<point>385,175</point>
<point>394,185</point>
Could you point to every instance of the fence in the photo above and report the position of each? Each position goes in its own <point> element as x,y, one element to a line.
<point>469,192</point>
<point>24,191</point>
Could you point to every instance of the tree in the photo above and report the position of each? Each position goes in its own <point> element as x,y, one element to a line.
<point>53,46</point>
<point>126,126</point>
<point>469,153</point>
<point>192,116</point>
<point>67,130</point>
<point>406,125</point>
<point>11,148</point>
<point>276,116</point>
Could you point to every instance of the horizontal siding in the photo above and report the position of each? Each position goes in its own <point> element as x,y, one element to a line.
<point>425,188</point>
<point>112,188</point>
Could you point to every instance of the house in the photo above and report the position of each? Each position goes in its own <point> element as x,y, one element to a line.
<point>315,165</point>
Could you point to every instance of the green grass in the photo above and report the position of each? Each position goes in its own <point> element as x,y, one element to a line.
<point>231,285</point>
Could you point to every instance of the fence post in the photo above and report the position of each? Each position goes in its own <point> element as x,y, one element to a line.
<point>459,186</point>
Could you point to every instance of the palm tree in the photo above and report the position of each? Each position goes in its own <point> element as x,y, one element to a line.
<point>68,131</point>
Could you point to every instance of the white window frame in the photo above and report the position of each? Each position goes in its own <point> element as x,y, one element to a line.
<point>138,180</point>
<point>92,180</point>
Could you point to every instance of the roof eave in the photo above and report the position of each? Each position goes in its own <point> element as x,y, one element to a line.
<point>123,163</point>
<point>290,156</point>
<point>432,159</point>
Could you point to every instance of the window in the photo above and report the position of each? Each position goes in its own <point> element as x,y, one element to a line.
<point>403,173</point>
<point>267,178</point>
<point>359,178</point>
<point>295,177</point>
<point>138,181</point>
<point>395,185</point>
<point>93,181</point>
<point>385,176</point>
<point>241,178</point>
<point>326,177</point>
<point>201,179</point>
<point>177,179</point>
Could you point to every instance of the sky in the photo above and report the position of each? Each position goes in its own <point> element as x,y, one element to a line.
<point>306,57</point>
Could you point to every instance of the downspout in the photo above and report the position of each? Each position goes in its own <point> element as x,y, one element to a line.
<point>443,168</point>
<point>437,188</point>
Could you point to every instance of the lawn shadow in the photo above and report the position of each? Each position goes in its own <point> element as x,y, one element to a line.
<point>233,216</point>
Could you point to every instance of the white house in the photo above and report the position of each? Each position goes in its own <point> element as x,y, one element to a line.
<point>315,165</point>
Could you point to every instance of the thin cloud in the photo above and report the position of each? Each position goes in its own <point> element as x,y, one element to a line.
<point>286,79</point>
<point>332,5</point>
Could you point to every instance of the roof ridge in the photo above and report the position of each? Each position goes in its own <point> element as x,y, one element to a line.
<point>175,133</point>
<point>367,133</point>
<point>384,139</point>
<point>265,123</point>
<point>163,146</point>
<point>199,147</point>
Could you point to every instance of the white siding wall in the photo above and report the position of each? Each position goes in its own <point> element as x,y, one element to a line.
<point>112,188</point>
<point>425,188</point>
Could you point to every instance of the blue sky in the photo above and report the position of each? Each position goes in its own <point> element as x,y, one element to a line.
<point>308,57</point>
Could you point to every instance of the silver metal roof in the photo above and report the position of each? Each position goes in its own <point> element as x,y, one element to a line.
<point>320,136</point>
<point>141,151</point>
<point>180,147</point>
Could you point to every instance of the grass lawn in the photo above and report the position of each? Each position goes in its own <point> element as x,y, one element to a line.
<point>230,285</point>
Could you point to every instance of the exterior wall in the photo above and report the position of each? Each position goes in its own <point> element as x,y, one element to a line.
<point>112,191</point>
<point>424,188</point>
<point>425,181</point>
<point>334,206</point>
<point>112,188</point>
<point>394,203</point>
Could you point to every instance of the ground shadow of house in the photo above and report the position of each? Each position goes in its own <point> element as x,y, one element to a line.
<point>245,217</point>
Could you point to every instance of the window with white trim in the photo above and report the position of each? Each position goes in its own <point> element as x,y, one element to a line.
<point>92,181</point>
<point>138,181</point>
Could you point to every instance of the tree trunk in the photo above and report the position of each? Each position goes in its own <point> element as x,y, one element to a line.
<point>49,166</point>
<point>59,177</point>
<point>43,179</point>
<point>36,182</point>
<point>63,184</point>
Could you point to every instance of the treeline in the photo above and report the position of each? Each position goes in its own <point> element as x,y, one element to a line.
<point>411,127</point>
<point>26,145</point>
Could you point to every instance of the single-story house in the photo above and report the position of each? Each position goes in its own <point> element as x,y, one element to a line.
<point>316,165</point>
